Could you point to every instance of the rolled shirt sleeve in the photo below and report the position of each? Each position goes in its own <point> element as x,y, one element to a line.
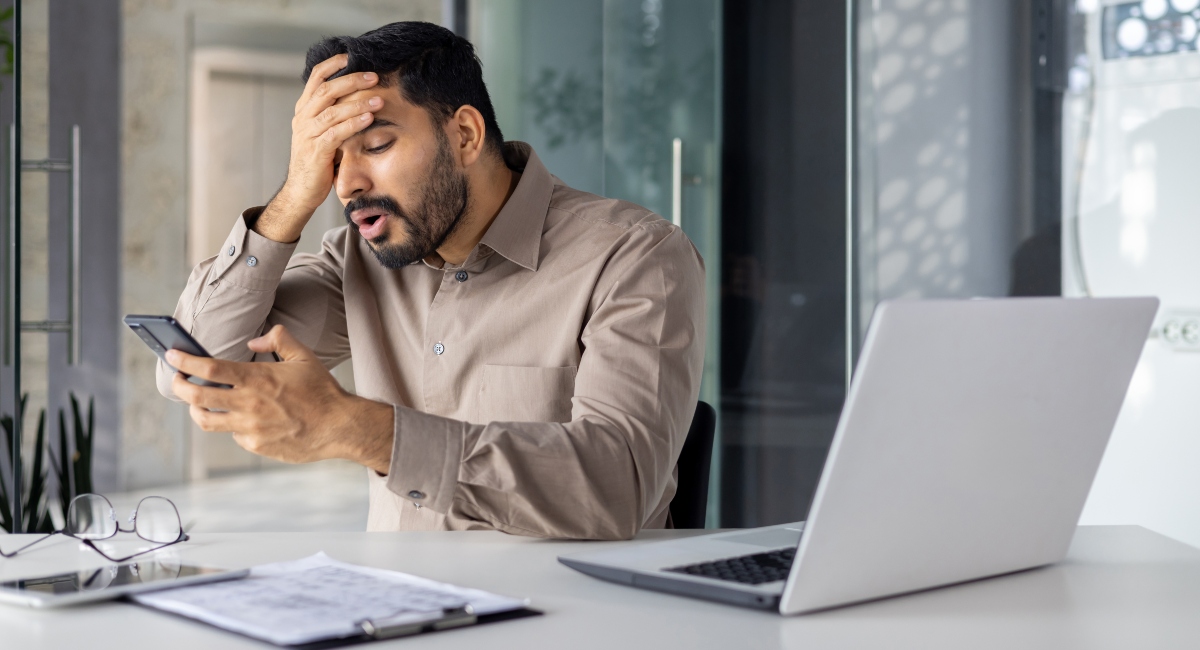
<point>254,282</point>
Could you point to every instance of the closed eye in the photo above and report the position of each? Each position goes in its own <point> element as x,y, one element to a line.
<point>381,148</point>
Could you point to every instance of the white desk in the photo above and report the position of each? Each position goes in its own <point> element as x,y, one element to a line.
<point>1121,587</point>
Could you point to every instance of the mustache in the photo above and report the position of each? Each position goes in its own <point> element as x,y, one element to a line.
<point>385,203</point>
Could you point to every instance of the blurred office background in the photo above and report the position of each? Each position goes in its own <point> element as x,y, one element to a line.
<point>822,154</point>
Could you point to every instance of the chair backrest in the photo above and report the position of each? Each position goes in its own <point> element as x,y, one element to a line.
<point>690,504</point>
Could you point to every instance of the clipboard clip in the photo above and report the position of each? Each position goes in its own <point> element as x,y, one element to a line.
<point>411,623</point>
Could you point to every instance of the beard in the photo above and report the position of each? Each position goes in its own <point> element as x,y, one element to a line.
<point>442,201</point>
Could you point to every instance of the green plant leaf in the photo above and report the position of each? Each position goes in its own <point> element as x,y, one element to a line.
<point>35,503</point>
<point>81,460</point>
<point>5,515</point>
<point>91,429</point>
<point>61,465</point>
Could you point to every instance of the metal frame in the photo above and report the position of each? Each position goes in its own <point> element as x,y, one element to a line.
<point>72,325</point>
<point>12,316</point>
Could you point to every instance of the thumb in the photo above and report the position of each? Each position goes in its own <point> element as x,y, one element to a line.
<point>285,346</point>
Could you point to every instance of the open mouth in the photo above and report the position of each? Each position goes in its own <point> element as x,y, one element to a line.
<point>370,223</point>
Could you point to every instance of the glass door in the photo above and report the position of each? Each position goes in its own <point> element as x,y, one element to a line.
<point>661,139</point>
<point>62,257</point>
<point>661,135</point>
<point>620,98</point>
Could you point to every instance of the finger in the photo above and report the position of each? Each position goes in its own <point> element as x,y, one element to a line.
<point>206,397</point>
<point>336,135</point>
<point>183,389</point>
<point>342,111</point>
<point>250,443</point>
<point>222,372</point>
<point>280,341</point>
<point>326,94</point>
<point>319,74</point>
<point>211,420</point>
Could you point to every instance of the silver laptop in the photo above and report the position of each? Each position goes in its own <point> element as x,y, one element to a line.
<point>966,448</point>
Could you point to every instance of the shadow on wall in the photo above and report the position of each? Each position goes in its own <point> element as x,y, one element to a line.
<point>922,133</point>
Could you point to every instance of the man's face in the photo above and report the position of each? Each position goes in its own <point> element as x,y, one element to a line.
<point>400,181</point>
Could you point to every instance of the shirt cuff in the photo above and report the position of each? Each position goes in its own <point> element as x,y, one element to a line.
<point>426,454</point>
<point>249,260</point>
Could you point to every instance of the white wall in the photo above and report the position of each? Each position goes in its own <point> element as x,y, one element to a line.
<point>1134,122</point>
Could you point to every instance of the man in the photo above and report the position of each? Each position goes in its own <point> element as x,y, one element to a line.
<point>527,356</point>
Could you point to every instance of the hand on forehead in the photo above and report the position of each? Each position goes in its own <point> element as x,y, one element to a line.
<point>387,94</point>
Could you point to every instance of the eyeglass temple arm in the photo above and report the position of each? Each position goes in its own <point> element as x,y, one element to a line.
<point>36,541</point>
<point>183,537</point>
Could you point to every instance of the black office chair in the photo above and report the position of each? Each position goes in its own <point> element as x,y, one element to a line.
<point>690,504</point>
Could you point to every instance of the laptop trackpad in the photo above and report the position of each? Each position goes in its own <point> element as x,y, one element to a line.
<point>776,538</point>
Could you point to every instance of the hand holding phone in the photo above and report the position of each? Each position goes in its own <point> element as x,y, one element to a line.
<point>162,333</point>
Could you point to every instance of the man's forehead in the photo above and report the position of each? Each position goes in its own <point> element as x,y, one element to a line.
<point>393,100</point>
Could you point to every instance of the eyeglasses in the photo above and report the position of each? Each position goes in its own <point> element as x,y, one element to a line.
<point>91,517</point>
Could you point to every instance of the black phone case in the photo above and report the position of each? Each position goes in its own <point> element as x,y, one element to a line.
<point>162,333</point>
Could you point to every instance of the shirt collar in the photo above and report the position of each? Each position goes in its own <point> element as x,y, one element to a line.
<point>516,232</point>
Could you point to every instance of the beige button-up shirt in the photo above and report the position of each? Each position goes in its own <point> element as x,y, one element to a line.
<point>544,387</point>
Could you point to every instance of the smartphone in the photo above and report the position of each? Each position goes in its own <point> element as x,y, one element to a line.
<point>164,333</point>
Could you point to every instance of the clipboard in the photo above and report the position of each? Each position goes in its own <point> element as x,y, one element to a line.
<point>450,620</point>
<point>319,602</point>
<point>525,612</point>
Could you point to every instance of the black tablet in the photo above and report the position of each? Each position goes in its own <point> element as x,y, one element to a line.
<point>108,582</point>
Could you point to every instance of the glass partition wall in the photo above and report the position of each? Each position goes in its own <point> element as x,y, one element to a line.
<point>783,352</point>
<point>621,98</point>
<point>61,269</point>
<point>943,148</point>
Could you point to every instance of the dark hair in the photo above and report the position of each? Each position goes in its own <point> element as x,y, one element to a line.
<point>436,69</point>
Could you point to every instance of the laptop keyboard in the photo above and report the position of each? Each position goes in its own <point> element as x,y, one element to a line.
<point>756,569</point>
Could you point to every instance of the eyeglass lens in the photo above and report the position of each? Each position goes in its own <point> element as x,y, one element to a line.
<point>157,520</point>
<point>90,516</point>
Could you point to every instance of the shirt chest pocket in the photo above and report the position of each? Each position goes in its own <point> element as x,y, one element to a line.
<point>525,394</point>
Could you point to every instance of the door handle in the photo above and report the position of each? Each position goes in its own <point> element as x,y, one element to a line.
<point>10,290</point>
<point>678,180</point>
<point>75,313</point>
<point>73,325</point>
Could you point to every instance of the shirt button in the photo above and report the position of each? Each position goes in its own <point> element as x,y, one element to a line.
<point>232,250</point>
<point>251,261</point>
<point>438,348</point>
<point>461,276</point>
<point>416,494</point>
